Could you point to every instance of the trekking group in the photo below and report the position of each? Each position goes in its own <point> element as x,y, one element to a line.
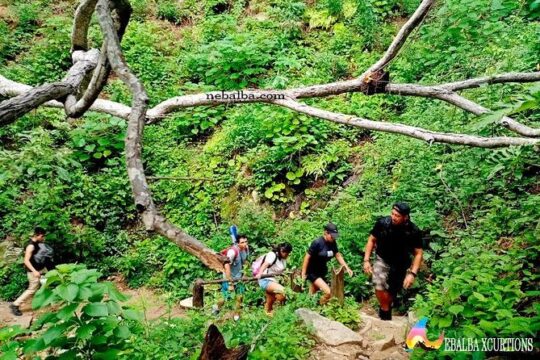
<point>394,239</point>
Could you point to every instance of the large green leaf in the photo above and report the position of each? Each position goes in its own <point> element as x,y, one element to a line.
<point>96,310</point>
<point>113,292</point>
<point>67,312</point>
<point>455,309</point>
<point>9,332</point>
<point>67,292</point>
<point>109,354</point>
<point>85,275</point>
<point>114,308</point>
<point>54,333</point>
<point>130,314</point>
<point>34,345</point>
<point>122,332</point>
<point>85,331</point>
<point>43,298</point>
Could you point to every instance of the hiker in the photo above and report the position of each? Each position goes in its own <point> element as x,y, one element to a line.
<point>315,268</point>
<point>273,262</point>
<point>37,257</point>
<point>395,238</point>
<point>238,254</point>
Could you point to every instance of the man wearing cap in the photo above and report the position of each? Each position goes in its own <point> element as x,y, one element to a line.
<point>395,238</point>
<point>319,253</point>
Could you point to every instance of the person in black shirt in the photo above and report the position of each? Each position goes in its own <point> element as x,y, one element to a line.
<point>34,270</point>
<point>395,238</point>
<point>315,266</point>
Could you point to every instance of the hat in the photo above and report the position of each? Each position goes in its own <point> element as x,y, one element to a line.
<point>402,208</point>
<point>332,230</point>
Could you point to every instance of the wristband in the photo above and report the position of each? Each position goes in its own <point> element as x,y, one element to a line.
<point>409,271</point>
<point>366,261</point>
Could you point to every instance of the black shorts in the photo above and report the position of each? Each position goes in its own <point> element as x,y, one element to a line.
<point>313,277</point>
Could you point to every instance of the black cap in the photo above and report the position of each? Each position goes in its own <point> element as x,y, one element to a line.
<point>402,207</point>
<point>332,230</point>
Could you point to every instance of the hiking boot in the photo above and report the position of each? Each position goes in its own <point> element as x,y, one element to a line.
<point>385,314</point>
<point>15,310</point>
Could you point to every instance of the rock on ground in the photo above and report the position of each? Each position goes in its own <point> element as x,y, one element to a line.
<point>327,331</point>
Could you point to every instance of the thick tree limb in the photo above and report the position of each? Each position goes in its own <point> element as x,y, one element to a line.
<point>77,104</point>
<point>443,92</point>
<point>513,77</point>
<point>415,132</point>
<point>136,120</point>
<point>10,88</point>
<point>17,106</point>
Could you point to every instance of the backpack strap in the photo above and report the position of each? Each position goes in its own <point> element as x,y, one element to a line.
<point>236,252</point>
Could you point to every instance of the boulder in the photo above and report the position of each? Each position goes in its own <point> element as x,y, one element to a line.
<point>329,332</point>
<point>377,329</point>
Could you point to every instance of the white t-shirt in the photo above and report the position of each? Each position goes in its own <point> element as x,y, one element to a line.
<point>278,266</point>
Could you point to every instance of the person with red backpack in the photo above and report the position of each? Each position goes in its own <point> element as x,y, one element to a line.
<point>238,254</point>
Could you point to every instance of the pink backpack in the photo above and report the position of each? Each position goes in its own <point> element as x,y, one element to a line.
<point>257,264</point>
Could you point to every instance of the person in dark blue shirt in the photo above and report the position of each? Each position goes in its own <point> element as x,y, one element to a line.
<point>320,252</point>
<point>395,239</point>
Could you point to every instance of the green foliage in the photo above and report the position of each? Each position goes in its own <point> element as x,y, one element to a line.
<point>12,279</point>
<point>168,10</point>
<point>96,141</point>
<point>234,62</point>
<point>89,323</point>
<point>348,314</point>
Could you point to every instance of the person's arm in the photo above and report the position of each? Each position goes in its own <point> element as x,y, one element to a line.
<point>370,245</point>
<point>342,262</point>
<point>305,266</point>
<point>413,271</point>
<point>27,257</point>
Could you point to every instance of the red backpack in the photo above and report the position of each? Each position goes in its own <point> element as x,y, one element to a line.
<point>236,252</point>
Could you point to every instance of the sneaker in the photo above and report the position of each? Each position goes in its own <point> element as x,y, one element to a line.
<point>15,310</point>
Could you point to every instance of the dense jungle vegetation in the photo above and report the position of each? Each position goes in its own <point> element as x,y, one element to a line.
<point>276,174</point>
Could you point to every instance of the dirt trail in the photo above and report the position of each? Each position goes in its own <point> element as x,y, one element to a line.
<point>380,340</point>
<point>152,304</point>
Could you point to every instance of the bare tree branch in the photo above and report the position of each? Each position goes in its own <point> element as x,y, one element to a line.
<point>10,88</point>
<point>141,192</point>
<point>17,106</point>
<point>415,132</point>
<point>512,77</point>
<point>442,92</point>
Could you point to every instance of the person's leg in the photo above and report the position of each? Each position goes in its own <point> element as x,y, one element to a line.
<point>268,305</point>
<point>385,299</point>
<point>275,292</point>
<point>225,295</point>
<point>323,286</point>
<point>240,289</point>
<point>381,279</point>
<point>33,286</point>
